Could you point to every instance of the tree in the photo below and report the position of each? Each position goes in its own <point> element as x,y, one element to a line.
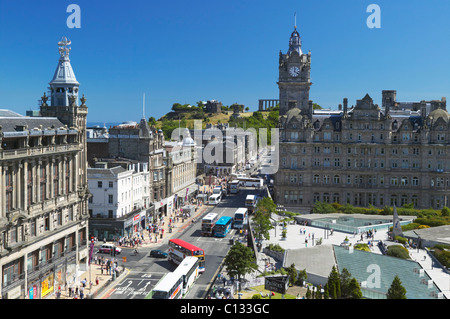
<point>302,276</point>
<point>345,278</point>
<point>262,225</point>
<point>152,121</point>
<point>266,206</point>
<point>334,284</point>
<point>292,272</point>
<point>396,291</point>
<point>308,294</point>
<point>354,289</point>
<point>240,261</point>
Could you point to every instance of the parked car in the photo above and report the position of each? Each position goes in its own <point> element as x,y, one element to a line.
<point>157,253</point>
<point>107,248</point>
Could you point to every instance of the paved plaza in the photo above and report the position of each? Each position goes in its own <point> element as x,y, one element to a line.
<point>295,241</point>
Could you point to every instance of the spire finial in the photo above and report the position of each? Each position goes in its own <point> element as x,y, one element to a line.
<point>64,48</point>
<point>295,20</point>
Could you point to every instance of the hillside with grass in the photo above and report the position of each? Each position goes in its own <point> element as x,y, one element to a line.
<point>184,116</point>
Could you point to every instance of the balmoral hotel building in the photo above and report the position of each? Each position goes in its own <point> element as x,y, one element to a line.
<point>362,155</point>
<point>43,190</point>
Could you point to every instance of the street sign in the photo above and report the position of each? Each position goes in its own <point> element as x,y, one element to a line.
<point>277,283</point>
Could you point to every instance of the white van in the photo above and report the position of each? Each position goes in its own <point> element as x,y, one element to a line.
<point>214,199</point>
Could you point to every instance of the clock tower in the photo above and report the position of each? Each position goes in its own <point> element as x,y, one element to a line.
<point>294,77</point>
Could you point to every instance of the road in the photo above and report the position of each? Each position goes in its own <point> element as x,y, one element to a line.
<point>145,271</point>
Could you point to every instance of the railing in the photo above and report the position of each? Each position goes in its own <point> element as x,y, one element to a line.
<point>11,154</point>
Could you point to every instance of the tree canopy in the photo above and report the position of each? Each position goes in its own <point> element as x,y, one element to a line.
<point>239,261</point>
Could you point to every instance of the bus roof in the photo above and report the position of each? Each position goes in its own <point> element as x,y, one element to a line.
<point>241,211</point>
<point>210,216</point>
<point>167,282</point>
<point>186,264</point>
<point>224,220</point>
<point>234,181</point>
<point>184,244</point>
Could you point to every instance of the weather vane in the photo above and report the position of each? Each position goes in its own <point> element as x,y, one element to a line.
<point>64,48</point>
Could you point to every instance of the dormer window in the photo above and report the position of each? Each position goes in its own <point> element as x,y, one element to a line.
<point>394,125</point>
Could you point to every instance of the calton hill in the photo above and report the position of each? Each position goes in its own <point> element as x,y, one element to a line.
<point>235,115</point>
<point>184,115</point>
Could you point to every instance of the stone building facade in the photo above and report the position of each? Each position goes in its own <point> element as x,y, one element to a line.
<point>363,155</point>
<point>43,191</point>
<point>139,142</point>
<point>181,170</point>
<point>120,202</point>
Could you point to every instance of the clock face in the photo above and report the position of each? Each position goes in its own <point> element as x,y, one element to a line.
<point>294,71</point>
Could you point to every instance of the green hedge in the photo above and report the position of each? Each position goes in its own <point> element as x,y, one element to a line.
<point>398,251</point>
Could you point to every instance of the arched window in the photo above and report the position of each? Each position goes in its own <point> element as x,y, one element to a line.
<point>336,179</point>
<point>404,181</point>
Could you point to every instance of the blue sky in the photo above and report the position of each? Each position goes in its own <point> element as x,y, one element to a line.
<point>186,51</point>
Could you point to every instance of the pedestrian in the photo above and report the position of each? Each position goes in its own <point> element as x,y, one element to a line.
<point>96,281</point>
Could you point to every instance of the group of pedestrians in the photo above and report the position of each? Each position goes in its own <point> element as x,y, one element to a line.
<point>73,291</point>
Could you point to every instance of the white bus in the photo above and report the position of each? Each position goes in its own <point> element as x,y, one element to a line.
<point>208,223</point>
<point>240,218</point>
<point>169,287</point>
<point>234,186</point>
<point>188,269</point>
<point>214,199</point>
<point>252,182</point>
<point>250,203</point>
<point>238,175</point>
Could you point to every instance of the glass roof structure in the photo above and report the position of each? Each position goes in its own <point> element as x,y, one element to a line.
<point>375,273</point>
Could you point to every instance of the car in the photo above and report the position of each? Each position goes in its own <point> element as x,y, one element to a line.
<point>107,248</point>
<point>157,253</point>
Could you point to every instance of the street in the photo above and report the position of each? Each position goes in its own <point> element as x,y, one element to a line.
<point>146,271</point>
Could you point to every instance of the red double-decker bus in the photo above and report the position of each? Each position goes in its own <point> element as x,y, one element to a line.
<point>179,249</point>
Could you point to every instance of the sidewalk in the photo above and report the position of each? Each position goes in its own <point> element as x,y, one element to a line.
<point>105,281</point>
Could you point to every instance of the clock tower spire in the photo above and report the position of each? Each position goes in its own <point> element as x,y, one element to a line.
<point>294,76</point>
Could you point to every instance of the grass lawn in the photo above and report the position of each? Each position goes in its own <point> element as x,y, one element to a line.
<point>248,294</point>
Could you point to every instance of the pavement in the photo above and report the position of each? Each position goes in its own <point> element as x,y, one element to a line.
<point>98,282</point>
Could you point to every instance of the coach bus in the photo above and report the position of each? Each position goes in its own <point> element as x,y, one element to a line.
<point>234,186</point>
<point>179,249</point>
<point>240,219</point>
<point>223,226</point>
<point>188,270</point>
<point>169,287</point>
<point>208,223</point>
